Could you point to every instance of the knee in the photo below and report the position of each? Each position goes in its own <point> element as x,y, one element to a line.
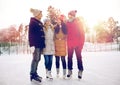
<point>36,58</point>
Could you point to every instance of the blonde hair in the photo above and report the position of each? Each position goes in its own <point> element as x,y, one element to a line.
<point>46,27</point>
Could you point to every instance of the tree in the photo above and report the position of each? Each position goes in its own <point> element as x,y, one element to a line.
<point>102,33</point>
<point>53,14</point>
<point>111,26</point>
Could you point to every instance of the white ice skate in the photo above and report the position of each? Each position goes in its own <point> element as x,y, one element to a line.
<point>69,76</point>
<point>49,75</point>
<point>80,74</point>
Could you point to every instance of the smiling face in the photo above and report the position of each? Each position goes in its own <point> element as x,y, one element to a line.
<point>58,21</point>
<point>70,17</point>
<point>39,16</point>
<point>47,22</point>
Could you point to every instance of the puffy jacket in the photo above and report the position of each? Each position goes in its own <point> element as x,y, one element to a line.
<point>60,40</point>
<point>49,42</point>
<point>76,36</point>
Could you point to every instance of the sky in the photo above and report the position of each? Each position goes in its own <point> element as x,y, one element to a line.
<point>18,11</point>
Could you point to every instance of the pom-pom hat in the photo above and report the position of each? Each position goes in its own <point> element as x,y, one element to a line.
<point>35,12</point>
<point>72,13</point>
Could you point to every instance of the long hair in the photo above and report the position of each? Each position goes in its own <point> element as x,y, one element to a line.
<point>46,26</point>
<point>63,27</point>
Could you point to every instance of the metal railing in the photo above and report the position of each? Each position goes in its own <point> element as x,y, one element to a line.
<point>17,48</point>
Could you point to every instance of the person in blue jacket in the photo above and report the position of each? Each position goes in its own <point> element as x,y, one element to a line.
<point>36,38</point>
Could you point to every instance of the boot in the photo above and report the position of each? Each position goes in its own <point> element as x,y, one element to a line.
<point>64,73</point>
<point>80,74</point>
<point>35,78</point>
<point>35,75</point>
<point>69,74</point>
<point>58,71</point>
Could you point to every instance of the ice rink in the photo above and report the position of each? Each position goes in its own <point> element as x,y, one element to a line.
<point>100,68</point>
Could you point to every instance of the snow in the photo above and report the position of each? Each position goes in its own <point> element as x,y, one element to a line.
<point>100,68</point>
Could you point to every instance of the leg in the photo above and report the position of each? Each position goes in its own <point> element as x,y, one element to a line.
<point>63,62</point>
<point>50,58</point>
<point>34,65</point>
<point>64,66</point>
<point>46,58</point>
<point>70,56</point>
<point>35,61</point>
<point>57,61</point>
<point>70,62</point>
<point>79,58</point>
<point>57,64</point>
<point>79,62</point>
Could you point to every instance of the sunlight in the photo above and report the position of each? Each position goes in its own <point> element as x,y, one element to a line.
<point>17,11</point>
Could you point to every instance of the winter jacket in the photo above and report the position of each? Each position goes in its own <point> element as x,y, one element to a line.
<point>76,36</point>
<point>36,34</point>
<point>49,42</point>
<point>60,40</point>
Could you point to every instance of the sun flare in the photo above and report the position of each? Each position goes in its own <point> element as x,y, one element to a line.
<point>17,11</point>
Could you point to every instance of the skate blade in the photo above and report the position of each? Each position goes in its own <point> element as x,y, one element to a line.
<point>68,78</point>
<point>65,78</point>
<point>79,78</point>
<point>34,82</point>
<point>49,79</point>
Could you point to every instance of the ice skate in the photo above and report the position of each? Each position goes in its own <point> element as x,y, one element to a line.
<point>79,74</point>
<point>69,74</point>
<point>35,78</point>
<point>49,75</point>
<point>38,76</point>
<point>57,76</point>
<point>64,74</point>
<point>64,77</point>
<point>58,71</point>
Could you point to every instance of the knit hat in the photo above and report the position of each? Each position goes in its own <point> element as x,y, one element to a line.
<point>35,12</point>
<point>72,13</point>
<point>45,20</point>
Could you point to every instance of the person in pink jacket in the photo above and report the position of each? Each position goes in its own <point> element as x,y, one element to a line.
<point>75,42</point>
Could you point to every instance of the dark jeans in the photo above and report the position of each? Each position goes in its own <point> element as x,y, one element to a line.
<point>48,61</point>
<point>35,61</point>
<point>58,61</point>
<point>78,56</point>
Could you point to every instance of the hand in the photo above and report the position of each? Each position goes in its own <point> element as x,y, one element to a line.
<point>32,49</point>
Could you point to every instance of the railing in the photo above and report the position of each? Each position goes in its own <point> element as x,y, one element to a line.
<point>18,48</point>
<point>101,47</point>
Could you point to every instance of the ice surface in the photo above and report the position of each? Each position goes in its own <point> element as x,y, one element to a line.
<point>100,68</point>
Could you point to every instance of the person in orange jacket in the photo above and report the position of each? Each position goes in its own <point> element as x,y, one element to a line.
<point>60,45</point>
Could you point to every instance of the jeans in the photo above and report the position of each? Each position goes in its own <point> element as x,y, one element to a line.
<point>48,61</point>
<point>58,61</point>
<point>35,61</point>
<point>78,56</point>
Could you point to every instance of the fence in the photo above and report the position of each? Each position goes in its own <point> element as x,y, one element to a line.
<point>101,47</point>
<point>18,48</point>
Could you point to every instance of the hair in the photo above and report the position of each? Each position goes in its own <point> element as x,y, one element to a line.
<point>46,27</point>
<point>64,29</point>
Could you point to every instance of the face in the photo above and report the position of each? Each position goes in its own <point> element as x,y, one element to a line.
<point>47,22</point>
<point>59,21</point>
<point>39,16</point>
<point>70,17</point>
